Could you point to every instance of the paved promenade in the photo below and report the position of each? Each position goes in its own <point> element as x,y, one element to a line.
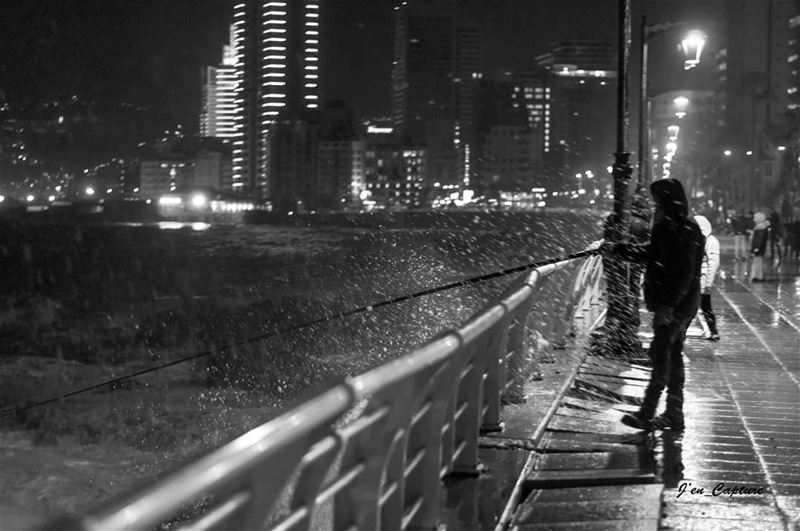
<point>737,464</point>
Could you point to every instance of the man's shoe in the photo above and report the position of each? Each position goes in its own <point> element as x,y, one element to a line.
<point>634,421</point>
<point>663,422</point>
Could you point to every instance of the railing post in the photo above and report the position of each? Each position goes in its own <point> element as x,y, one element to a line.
<point>424,481</point>
<point>469,401</point>
<point>518,362</point>
<point>495,376</point>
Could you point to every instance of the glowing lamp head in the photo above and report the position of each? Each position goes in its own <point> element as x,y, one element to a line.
<point>681,103</point>
<point>692,46</point>
<point>673,131</point>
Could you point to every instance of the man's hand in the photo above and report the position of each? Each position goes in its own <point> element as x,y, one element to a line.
<point>663,316</point>
<point>608,248</point>
<point>596,245</point>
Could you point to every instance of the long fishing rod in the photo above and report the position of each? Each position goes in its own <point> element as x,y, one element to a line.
<point>18,409</point>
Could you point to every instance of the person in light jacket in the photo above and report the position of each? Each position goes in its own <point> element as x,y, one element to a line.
<point>758,246</point>
<point>707,274</point>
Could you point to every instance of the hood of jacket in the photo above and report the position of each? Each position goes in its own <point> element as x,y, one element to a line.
<point>760,220</point>
<point>704,224</point>
<point>671,197</point>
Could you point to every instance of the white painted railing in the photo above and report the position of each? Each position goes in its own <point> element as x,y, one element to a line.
<point>371,452</point>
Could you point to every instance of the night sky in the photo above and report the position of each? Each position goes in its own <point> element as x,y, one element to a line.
<point>150,52</point>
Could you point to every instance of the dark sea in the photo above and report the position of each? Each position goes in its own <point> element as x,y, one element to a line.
<point>84,304</point>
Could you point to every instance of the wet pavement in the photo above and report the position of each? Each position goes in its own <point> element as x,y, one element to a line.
<point>736,465</point>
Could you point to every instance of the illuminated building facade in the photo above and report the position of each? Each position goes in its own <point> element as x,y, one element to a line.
<point>423,91</point>
<point>793,60</point>
<point>467,81</point>
<point>512,157</point>
<point>532,93</point>
<point>341,173</point>
<point>277,65</point>
<point>759,80</point>
<point>582,82</point>
<point>174,165</point>
<point>395,176</point>
<point>218,117</point>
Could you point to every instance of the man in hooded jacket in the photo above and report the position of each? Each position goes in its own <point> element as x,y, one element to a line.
<point>673,258</point>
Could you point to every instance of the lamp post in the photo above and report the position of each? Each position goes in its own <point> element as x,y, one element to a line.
<point>617,337</point>
<point>692,46</point>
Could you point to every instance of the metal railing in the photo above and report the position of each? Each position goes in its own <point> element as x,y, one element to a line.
<point>369,453</point>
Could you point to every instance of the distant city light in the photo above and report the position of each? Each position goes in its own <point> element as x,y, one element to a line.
<point>781,148</point>
<point>748,152</point>
<point>58,188</point>
<point>169,200</point>
<point>2,198</point>
<point>30,199</point>
<point>51,198</point>
<point>727,152</point>
<point>374,129</point>
<point>89,190</point>
<point>108,190</point>
<point>199,200</point>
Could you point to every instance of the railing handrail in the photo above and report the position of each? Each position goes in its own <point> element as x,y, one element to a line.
<point>418,418</point>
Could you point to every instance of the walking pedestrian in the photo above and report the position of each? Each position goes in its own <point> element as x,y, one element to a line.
<point>758,246</point>
<point>673,258</point>
<point>707,273</point>
<point>775,235</point>
<point>793,235</point>
<point>738,227</point>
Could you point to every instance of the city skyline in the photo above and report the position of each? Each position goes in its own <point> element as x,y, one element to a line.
<point>288,74</point>
<point>152,53</point>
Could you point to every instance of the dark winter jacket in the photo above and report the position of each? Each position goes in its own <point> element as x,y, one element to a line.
<point>674,254</point>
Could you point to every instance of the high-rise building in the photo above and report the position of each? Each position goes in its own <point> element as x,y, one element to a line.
<point>277,64</point>
<point>758,67</point>
<point>218,96</point>
<point>582,81</point>
<point>794,59</point>
<point>341,173</point>
<point>467,80</point>
<point>759,88</point>
<point>532,93</point>
<point>423,72</point>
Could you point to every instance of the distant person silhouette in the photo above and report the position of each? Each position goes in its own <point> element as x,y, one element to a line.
<point>739,229</point>
<point>758,246</point>
<point>673,258</point>
<point>775,235</point>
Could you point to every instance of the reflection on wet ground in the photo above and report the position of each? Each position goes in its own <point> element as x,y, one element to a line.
<point>737,464</point>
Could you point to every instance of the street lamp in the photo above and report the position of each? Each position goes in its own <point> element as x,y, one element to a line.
<point>692,47</point>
